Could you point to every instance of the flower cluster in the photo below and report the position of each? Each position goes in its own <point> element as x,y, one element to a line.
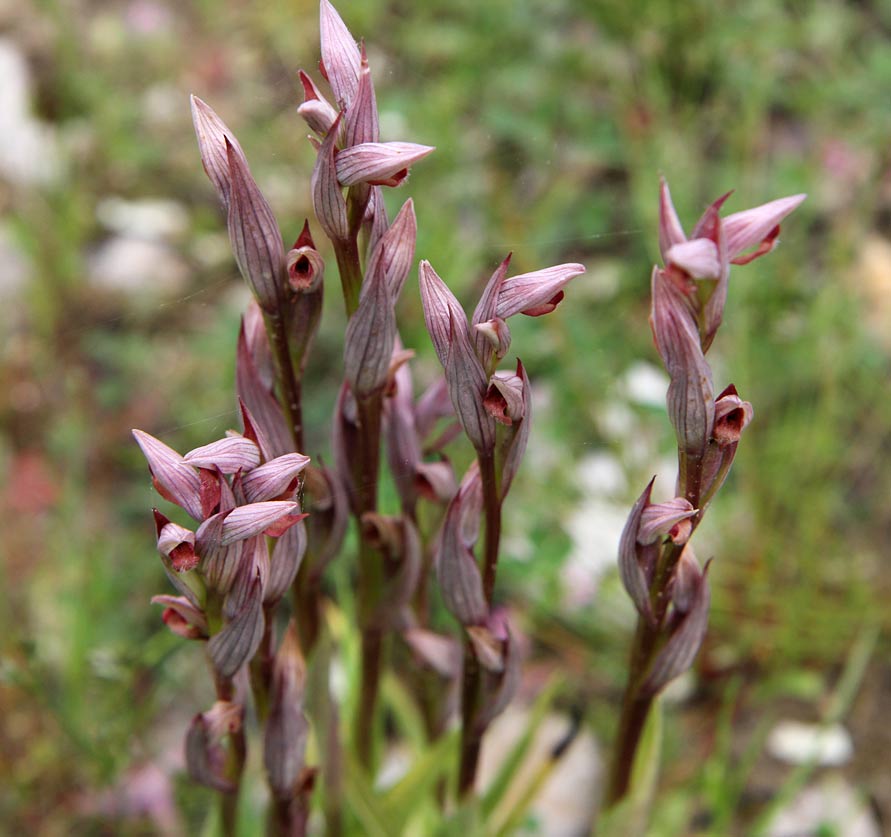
<point>657,564</point>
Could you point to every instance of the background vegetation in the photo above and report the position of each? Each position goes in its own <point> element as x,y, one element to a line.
<point>552,121</point>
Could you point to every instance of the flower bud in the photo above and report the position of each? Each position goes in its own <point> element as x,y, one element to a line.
<point>370,336</point>
<point>287,555</point>
<point>254,235</point>
<point>514,444</point>
<point>361,120</point>
<point>255,392</point>
<point>504,399</point>
<point>178,544</point>
<point>240,637</point>
<point>205,755</point>
<point>456,568</point>
<point>395,250</point>
<point>286,730</point>
<point>678,653</point>
<point>498,654</point>
<point>496,336</point>
<point>182,617</point>
<point>732,416</point>
<point>637,561</point>
<point>327,197</point>
<point>316,111</point>
<point>341,60</point>
<point>214,138</point>
<point>306,267</point>
<point>441,653</point>
<point>673,518</point>
<point>467,382</point>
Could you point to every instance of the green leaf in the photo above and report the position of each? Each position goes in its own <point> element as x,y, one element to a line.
<point>415,789</point>
<point>631,814</point>
<point>499,786</point>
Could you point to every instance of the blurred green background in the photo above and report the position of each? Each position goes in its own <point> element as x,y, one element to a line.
<point>552,122</point>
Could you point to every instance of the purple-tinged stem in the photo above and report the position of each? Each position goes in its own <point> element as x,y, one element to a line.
<point>471,687</point>
<point>636,704</point>
<point>349,267</point>
<point>236,757</point>
<point>288,379</point>
<point>370,577</point>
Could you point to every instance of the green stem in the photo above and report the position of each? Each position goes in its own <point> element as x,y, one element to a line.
<point>262,665</point>
<point>236,757</point>
<point>471,687</point>
<point>288,379</point>
<point>347,254</point>
<point>635,709</point>
<point>371,579</point>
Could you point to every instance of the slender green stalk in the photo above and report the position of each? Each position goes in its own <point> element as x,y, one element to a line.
<point>471,687</point>
<point>236,757</point>
<point>371,579</point>
<point>288,379</point>
<point>347,255</point>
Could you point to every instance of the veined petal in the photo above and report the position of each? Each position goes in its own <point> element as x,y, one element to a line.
<point>456,569</point>
<point>442,311</point>
<point>504,399</point>
<point>491,332</point>
<point>395,250</point>
<point>754,226</point>
<point>254,234</point>
<point>537,292</point>
<point>671,518</point>
<point>240,637</point>
<point>231,454</point>
<point>378,163</point>
<point>732,416</point>
<point>361,120</point>
<point>178,544</point>
<point>467,389</point>
<point>274,478</point>
<point>340,56</point>
<point>682,647</point>
<point>213,136</point>
<point>286,728</point>
<point>175,479</point>
<point>247,521</point>
<point>369,339</point>
<point>698,257</point>
<point>318,113</point>
<point>632,573</point>
<point>327,197</point>
<point>518,436</point>
<point>671,232</point>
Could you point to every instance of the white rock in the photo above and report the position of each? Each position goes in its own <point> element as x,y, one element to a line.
<point>29,152</point>
<point>601,474</point>
<point>150,218</point>
<point>795,742</point>
<point>645,384</point>
<point>566,805</point>
<point>595,528</point>
<point>126,264</point>
<point>15,266</point>
<point>831,806</point>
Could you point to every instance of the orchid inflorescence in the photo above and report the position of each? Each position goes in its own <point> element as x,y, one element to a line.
<point>267,520</point>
